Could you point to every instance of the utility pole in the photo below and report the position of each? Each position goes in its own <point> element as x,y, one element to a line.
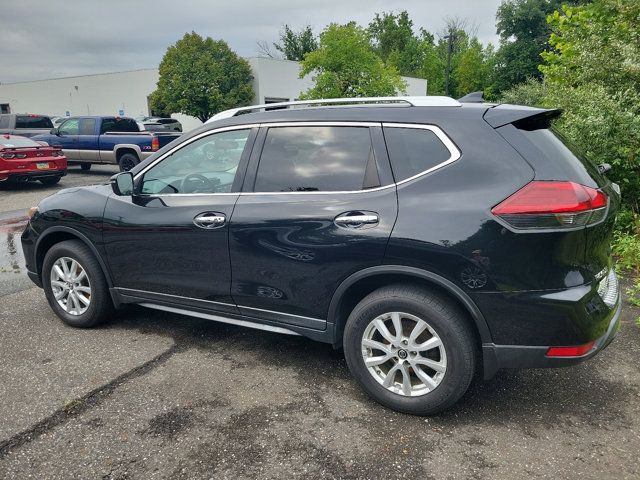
<point>451,38</point>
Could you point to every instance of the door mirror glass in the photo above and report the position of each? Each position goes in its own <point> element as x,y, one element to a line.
<point>122,183</point>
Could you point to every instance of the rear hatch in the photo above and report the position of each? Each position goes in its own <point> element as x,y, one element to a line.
<point>556,159</point>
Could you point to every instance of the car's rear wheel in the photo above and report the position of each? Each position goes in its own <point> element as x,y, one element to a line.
<point>127,161</point>
<point>49,180</point>
<point>411,349</point>
<point>85,166</point>
<point>74,284</point>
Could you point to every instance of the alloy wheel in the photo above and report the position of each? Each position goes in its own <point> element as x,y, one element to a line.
<point>70,285</point>
<point>404,354</point>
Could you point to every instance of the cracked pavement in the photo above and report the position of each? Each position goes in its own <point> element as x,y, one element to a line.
<point>156,395</point>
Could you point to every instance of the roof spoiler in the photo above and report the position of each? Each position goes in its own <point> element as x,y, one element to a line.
<point>525,117</point>
<point>473,97</point>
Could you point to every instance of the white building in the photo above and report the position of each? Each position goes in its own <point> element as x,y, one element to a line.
<point>127,93</point>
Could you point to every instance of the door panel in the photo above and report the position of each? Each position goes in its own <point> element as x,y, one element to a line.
<point>68,138</point>
<point>289,255</point>
<point>153,245</point>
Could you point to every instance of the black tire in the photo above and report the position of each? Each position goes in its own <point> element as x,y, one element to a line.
<point>85,166</point>
<point>50,180</point>
<point>127,161</point>
<point>446,319</point>
<point>101,305</point>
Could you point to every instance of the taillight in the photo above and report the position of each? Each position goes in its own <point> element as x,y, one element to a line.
<point>21,155</point>
<point>8,156</point>
<point>155,144</point>
<point>552,205</point>
<point>57,153</point>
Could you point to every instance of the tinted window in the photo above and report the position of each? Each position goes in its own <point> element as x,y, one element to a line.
<point>207,165</point>
<point>119,125</point>
<point>299,159</point>
<point>33,121</point>
<point>70,127</point>
<point>413,150</point>
<point>18,142</point>
<point>88,126</point>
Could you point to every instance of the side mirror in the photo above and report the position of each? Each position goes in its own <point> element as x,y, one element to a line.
<point>54,131</point>
<point>122,183</point>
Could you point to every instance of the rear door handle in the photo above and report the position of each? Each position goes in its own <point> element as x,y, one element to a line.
<point>209,220</point>
<point>357,219</point>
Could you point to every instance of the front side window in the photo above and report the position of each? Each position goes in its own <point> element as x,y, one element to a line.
<point>207,165</point>
<point>70,127</point>
<point>413,151</point>
<point>309,159</point>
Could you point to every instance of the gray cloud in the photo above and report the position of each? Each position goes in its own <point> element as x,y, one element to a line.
<point>47,39</point>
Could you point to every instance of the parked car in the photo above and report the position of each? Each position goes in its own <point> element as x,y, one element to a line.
<point>169,124</point>
<point>26,124</point>
<point>23,159</point>
<point>428,238</point>
<point>89,140</point>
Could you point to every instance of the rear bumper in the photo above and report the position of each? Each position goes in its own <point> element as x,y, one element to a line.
<point>30,175</point>
<point>496,357</point>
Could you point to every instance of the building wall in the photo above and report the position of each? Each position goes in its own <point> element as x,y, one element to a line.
<point>127,92</point>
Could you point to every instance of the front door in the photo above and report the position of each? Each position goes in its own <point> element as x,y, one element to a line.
<point>170,240</point>
<point>318,205</point>
<point>67,138</point>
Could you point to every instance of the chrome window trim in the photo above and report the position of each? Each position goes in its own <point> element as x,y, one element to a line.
<point>455,153</point>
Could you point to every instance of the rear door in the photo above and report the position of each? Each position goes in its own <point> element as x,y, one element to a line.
<point>318,205</point>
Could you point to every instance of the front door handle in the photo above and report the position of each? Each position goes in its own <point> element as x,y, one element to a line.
<point>209,220</point>
<point>357,219</point>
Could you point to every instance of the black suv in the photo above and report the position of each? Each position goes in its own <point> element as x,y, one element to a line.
<point>427,238</point>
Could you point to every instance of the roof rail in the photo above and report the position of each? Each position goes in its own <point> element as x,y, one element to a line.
<point>423,101</point>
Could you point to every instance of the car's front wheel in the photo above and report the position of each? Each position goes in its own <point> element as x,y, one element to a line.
<point>411,349</point>
<point>74,284</point>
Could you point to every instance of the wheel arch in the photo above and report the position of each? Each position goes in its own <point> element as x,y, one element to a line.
<point>123,148</point>
<point>360,284</point>
<point>55,235</point>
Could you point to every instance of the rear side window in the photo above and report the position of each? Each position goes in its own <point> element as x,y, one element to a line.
<point>127,125</point>
<point>88,126</point>
<point>413,151</point>
<point>33,121</point>
<point>316,159</point>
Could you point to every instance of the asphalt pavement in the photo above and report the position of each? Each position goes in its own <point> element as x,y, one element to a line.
<point>157,395</point>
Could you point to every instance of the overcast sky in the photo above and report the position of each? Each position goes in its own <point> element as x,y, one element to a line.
<point>42,39</point>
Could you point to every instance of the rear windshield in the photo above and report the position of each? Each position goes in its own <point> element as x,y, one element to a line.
<point>552,155</point>
<point>33,121</point>
<point>17,142</point>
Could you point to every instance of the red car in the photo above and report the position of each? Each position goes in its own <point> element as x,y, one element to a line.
<point>23,159</point>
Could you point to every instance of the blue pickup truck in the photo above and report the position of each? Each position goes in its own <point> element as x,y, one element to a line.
<point>117,140</point>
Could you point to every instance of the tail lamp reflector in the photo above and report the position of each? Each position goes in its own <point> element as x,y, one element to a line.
<point>543,204</point>
<point>576,351</point>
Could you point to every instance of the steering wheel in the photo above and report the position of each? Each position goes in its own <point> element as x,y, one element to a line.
<point>196,183</point>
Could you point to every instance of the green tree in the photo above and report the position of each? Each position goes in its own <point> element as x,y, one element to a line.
<point>200,77</point>
<point>524,34</point>
<point>394,41</point>
<point>295,45</point>
<point>345,65</point>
